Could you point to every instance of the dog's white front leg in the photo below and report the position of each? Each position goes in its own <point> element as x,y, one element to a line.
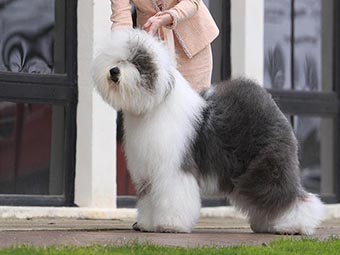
<point>176,202</point>
<point>144,214</point>
<point>144,207</point>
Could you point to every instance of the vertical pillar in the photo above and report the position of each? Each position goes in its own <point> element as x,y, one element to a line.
<point>247,32</point>
<point>95,184</point>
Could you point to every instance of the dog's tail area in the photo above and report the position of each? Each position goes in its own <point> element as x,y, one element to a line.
<point>303,217</point>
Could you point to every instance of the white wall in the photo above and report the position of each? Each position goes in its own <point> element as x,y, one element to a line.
<point>95,184</point>
<point>247,32</point>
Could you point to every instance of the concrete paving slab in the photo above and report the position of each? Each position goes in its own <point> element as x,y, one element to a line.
<point>209,232</point>
<point>39,224</point>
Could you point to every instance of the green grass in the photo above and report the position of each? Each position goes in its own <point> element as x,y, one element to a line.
<point>282,247</point>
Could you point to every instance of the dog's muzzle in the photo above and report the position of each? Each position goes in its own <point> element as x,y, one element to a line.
<point>114,74</point>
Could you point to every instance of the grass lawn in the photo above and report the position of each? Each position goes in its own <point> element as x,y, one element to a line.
<point>284,247</point>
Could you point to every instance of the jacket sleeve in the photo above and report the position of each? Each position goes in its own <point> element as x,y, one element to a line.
<point>121,14</point>
<point>184,10</point>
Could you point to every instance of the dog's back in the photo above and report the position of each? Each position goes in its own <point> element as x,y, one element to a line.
<point>240,123</point>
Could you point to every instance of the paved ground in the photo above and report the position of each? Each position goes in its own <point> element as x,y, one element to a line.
<point>209,232</point>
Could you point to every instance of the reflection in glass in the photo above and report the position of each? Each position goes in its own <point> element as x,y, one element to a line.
<point>277,41</point>
<point>27,41</point>
<point>312,45</point>
<point>25,149</point>
<point>316,153</point>
<point>307,45</point>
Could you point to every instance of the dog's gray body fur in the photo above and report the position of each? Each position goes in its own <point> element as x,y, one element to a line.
<point>249,144</point>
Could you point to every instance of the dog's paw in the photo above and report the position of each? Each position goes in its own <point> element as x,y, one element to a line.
<point>140,228</point>
<point>135,227</point>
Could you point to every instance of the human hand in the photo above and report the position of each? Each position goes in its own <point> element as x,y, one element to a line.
<point>155,22</point>
<point>152,25</point>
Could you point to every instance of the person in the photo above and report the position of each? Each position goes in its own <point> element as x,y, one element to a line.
<point>186,26</point>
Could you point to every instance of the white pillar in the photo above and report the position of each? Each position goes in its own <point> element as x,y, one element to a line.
<point>247,32</point>
<point>95,184</point>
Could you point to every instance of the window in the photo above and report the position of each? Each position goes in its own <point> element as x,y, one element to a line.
<point>301,59</point>
<point>38,98</point>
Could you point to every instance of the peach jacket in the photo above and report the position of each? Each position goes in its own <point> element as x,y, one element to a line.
<point>193,25</point>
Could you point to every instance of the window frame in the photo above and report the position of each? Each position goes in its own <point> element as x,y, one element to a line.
<point>336,81</point>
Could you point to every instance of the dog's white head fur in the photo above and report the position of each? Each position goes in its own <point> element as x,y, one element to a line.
<point>133,72</point>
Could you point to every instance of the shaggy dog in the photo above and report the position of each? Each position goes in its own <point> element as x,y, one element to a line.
<point>231,140</point>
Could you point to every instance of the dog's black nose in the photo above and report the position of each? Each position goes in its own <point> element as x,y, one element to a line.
<point>114,73</point>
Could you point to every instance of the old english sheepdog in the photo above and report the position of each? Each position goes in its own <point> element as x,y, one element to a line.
<point>231,140</point>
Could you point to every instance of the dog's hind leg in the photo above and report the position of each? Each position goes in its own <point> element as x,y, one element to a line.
<point>303,217</point>
<point>176,202</point>
<point>271,195</point>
